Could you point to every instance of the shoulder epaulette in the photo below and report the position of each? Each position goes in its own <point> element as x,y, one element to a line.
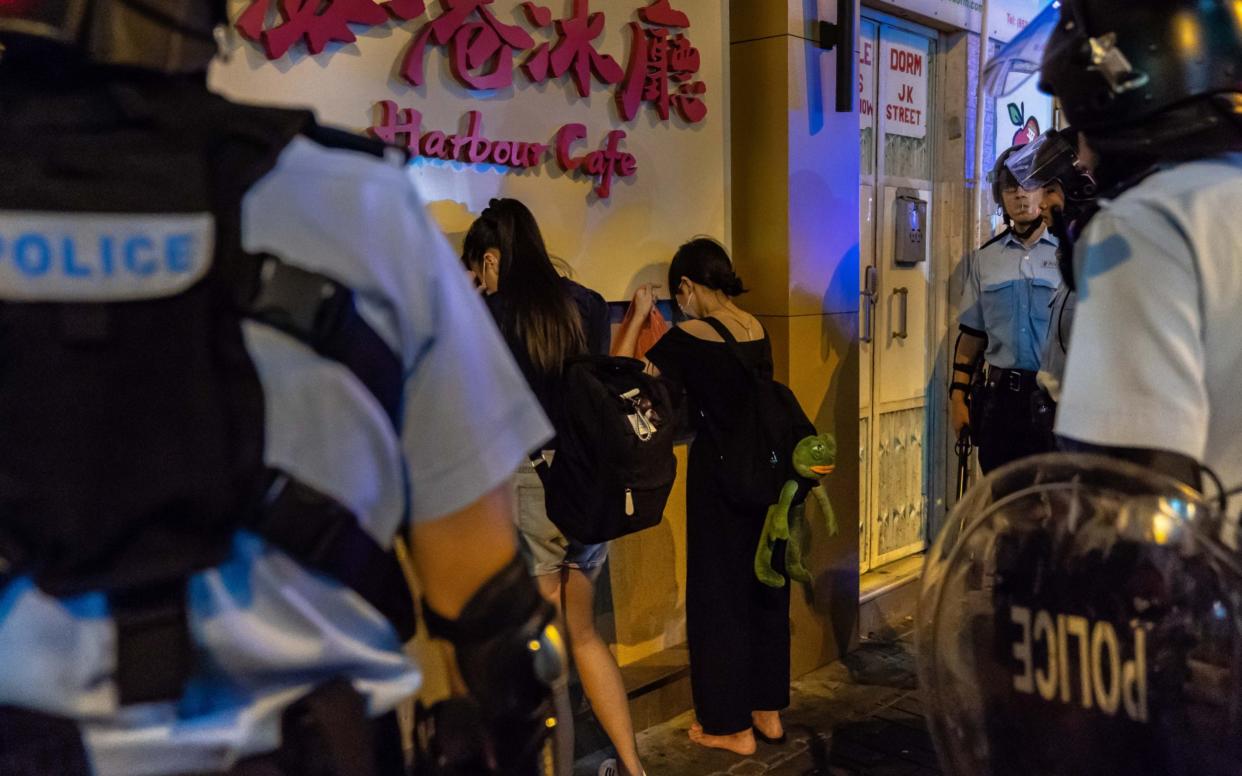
<point>332,137</point>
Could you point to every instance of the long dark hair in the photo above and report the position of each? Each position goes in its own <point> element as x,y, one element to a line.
<point>542,314</point>
<point>707,263</point>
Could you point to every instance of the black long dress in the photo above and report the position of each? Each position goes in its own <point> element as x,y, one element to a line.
<point>738,628</point>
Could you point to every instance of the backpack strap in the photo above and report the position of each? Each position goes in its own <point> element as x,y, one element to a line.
<point>322,534</point>
<point>321,313</point>
<point>735,349</point>
<point>313,308</point>
<point>721,329</point>
<point>731,341</point>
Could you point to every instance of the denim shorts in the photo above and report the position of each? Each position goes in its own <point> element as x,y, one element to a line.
<point>544,547</point>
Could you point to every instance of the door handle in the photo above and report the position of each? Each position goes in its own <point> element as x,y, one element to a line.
<point>903,302</point>
<point>868,295</point>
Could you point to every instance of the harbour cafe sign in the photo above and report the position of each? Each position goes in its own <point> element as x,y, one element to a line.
<point>486,53</point>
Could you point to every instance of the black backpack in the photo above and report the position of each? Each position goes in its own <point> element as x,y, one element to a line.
<point>132,424</point>
<point>756,447</point>
<point>614,465</point>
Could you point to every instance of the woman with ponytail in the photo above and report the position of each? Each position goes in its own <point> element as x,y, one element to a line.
<point>738,628</point>
<point>546,318</point>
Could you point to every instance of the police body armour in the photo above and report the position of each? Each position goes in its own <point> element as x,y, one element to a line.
<point>131,415</point>
<point>1078,616</point>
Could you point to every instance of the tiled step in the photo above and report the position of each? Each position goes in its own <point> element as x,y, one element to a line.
<point>888,598</point>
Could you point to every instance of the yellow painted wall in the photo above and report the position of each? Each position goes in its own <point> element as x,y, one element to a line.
<point>648,575</point>
<point>681,190</point>
<point>795,230</point>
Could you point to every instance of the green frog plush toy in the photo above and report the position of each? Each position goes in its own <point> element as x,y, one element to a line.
<point>814,457</point>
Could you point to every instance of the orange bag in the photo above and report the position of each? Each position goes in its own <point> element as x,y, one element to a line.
<point>649,334</point>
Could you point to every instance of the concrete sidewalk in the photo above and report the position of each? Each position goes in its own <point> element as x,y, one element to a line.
<point>865,708</point>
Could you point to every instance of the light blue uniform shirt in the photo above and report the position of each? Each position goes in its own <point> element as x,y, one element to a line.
<point>266,630</point>
<point>1007,294</point>
<point>1156,356</point>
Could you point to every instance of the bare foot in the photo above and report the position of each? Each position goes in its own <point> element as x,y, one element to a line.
<point>769,723</point>
<point>742,743</point>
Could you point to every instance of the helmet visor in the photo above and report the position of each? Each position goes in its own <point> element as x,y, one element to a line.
<point>1045,159</point>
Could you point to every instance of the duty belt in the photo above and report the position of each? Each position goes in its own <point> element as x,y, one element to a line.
<point>1016,380</point>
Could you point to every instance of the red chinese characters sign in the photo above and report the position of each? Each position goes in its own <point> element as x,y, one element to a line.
<point>486,52</point>
<point>662,67</point>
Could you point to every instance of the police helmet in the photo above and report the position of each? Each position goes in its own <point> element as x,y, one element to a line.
<point>1053,157</point>
<point>1079,615</point>
<point>1113,63</point>
<point>166,36</point>
<point>1000,177</point>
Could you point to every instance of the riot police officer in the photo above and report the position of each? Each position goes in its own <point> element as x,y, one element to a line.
<point>1153,371</point>
<point>1081,610</point>
<point>1004,318</point>
<point>238,360</point>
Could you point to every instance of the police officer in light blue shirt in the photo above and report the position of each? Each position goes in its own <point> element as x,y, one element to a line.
<point>1155,362</point>
<point>353,390</point>
<point>1010,282</point>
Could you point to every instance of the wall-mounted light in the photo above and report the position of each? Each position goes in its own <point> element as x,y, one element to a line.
<point>842,36</point>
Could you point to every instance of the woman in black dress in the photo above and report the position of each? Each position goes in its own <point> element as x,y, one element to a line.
<point>738,628</point>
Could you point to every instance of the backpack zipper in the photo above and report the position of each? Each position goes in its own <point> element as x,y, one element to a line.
<point>629,502</point>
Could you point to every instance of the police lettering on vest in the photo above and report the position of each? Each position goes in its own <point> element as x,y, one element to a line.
<point>101,257</point>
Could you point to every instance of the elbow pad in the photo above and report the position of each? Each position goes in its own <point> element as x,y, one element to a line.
<point>511,658</point>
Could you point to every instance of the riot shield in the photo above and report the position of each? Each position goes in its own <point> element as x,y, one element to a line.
<point>1078,616</point>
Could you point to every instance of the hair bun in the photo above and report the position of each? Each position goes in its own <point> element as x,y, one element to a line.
<point>732,285</point>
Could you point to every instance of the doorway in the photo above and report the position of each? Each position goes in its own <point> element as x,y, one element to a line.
<point>896,67</point>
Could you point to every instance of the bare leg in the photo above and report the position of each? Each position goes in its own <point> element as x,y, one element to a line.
<point>742,743</point>
<point>601,678</point>
<point>550,588</point>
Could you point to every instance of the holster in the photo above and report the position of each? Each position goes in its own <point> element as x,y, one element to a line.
<point>978,400</point>
<point>327,733</point>
<point>450,739</point>
<point>1043,416</point>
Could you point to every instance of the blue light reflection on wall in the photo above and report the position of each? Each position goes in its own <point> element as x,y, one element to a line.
<point>823,193</point>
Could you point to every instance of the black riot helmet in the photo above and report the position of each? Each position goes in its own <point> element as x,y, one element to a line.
<point>1001,178</point>
<point>164,36</point>
<point>1053,158</point>
<point>1146,74</point>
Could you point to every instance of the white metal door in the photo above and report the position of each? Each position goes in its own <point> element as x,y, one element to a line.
<point>895,65</point>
